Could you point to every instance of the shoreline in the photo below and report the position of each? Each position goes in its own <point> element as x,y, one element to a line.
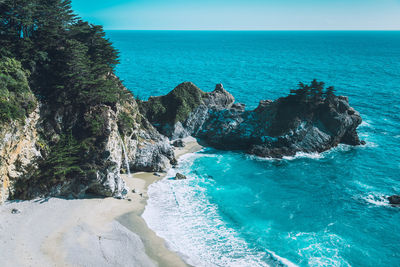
<point>86,232</point>
<point>155,246</point>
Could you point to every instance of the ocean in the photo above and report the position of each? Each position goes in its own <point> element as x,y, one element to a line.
<point>326,209</point>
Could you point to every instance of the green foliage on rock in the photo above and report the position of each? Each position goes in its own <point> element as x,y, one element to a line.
<point>16,98</point>
<point>126,122</point>
<point>175,106</point>
<point>312,93</point>
<point>60,167</point>
<point>71,65</point>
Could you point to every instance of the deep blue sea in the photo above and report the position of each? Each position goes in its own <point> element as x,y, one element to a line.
<point>324,209</point>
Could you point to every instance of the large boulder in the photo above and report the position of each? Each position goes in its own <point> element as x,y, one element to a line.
<point>180,176</point>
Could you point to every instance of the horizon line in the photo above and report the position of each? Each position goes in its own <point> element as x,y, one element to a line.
<point>256,30</point>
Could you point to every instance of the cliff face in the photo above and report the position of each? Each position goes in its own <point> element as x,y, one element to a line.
<point>19,152</point>
<point>274,129</point>
<point>107,138</point>
<point>146,148</point>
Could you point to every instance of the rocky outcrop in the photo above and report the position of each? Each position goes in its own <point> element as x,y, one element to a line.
<point>394,200</point>
<point>309,120</point>
<point>105,138</point>
<point>19,152</point>
<point>178,143</point>
<point>180,176</point>
<point>185,109</point>
<point>147,149</point>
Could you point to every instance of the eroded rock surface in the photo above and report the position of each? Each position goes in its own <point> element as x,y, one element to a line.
<point>296,123</point>
<point>394,200</point>
<point>19,152</point>
<point>106,137</point>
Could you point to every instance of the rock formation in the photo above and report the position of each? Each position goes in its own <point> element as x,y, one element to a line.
<point>26,149</point>
<point>109,136</point>
<point>19,152</point>
<point>180,176</point>
<point>296,123</point>
<point>394,200</point>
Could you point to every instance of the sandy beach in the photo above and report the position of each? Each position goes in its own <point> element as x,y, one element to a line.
<point>85,232</point>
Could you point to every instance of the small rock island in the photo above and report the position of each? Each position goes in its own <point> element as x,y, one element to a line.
<point>311,119</point>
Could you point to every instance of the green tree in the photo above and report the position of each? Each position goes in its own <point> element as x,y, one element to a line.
<point>16,98</point>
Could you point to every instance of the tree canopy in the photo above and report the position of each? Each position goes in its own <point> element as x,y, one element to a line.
<point>49,53</point>
<point>312,93</point>
<point>69,59</point>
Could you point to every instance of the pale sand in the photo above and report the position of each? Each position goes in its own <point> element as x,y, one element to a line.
<point>85,232</point>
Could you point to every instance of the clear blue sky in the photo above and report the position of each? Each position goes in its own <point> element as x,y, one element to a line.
<point>241,14</point>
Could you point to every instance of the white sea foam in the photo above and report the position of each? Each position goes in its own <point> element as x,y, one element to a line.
<point>320,249</point>
<point>366,124</point>
<point>300,155</point>
<point>376,199</point>
<point>181,213</point>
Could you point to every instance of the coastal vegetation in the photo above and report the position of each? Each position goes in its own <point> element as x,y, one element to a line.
<point>69,59</point>
<point>16,98</point>
<point>50,55</point>
<point>175,106</point>
<point>312,93</point>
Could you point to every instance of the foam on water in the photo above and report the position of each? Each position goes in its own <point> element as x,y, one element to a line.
<point>318,248</point>
<point>376,199</point>
<point>236,208</point>
<point>300,155</point>
<point>181,213</point>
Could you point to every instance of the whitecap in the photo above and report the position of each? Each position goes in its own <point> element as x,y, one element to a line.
<point>300,155</point>
<point>180,212</point>
<point>317,248</point>
<point>376,199</point>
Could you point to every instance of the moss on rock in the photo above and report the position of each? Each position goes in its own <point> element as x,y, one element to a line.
<point>175,106</point>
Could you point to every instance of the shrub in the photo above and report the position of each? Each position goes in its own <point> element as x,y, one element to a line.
<point>16,98</point>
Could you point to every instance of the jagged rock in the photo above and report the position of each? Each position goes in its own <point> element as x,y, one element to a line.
<point>178,143</point>
<point>274,129</point>
<point>180,176</point>
<point>20,150</point>
<point>119,128</point>
<point>395,200</point>
<point>184,110</point>
<point>174,163</point>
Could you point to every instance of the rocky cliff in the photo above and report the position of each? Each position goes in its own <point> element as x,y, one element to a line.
<point>308,120</point>
<point>36,153</point>
<point>19,152</point>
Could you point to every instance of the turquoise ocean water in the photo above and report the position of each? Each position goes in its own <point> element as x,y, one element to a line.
<point>324,209</point>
